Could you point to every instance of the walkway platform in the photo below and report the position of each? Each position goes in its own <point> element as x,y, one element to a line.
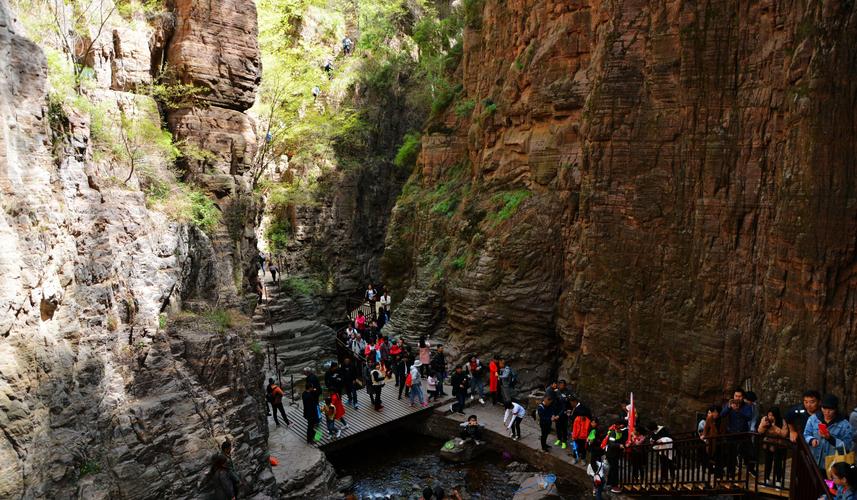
<point>364,421</point>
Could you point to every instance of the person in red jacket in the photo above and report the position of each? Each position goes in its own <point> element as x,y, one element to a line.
<point>492,380</point>
<point>579,417</point>
<point>336,401</point>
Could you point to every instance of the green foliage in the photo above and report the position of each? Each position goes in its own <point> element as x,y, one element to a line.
<point>508,203</point>
<point>465,108</point>
<point>473,13</point>
<point>162,321</point>
<point>302,286</point>
<point>88,467</point>
<point>490,109</point>
<point>174,95</point>
<point>444,97</point>
<point>278,233</point>
<point>222,319</point>
<point>149,8</point>
<point>408,152</point>
<point>256,347</point>
<point>459,262</point>
<point>203,213</point>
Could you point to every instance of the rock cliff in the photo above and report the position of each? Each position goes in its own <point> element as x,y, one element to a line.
<point>107,390</point>
<point>655,197</point>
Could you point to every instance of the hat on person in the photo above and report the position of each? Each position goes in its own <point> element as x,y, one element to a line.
<point>418,363</point>
<point>830,401</point>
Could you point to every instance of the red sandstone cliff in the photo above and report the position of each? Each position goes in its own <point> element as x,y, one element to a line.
<point>687,172</point>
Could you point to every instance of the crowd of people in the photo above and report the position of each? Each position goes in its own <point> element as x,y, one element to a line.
<point>422,373</point>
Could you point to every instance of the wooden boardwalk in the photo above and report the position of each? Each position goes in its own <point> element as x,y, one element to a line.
<point>364,420</point>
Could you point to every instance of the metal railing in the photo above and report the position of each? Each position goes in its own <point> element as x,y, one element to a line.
<point>726,464</point>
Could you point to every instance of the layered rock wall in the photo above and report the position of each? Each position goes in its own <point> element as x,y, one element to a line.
<point>214,48</point>
<point>101,394</point>
<point>687,198</point>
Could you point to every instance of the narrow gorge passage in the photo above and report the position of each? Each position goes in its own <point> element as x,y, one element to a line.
<point>630,219</point>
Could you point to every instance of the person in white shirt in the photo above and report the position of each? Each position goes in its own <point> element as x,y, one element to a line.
<point>384,302</point>
<point>517,414</point>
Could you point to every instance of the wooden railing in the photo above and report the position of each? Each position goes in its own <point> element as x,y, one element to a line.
<point>746,463</point>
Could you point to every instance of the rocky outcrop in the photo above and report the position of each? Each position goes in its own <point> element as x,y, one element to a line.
<point>101,395</point>
<point>214,48</point>
<point>659,195</point>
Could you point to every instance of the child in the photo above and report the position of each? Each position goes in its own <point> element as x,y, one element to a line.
<point>340,409</point>
<point>845,478</point>
<point>432,386</point>
<point>329,412</point>
<point>598,470</point>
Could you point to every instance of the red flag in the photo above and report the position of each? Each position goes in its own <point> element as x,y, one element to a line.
<point>632,419</point>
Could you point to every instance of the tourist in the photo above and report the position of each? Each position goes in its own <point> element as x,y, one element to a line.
<point>751,401</point>
<point>614,446</point>
<point>637,453</point>
<point>580,417</point>
<point>226,450</point>
<point>336,401</point>
<point>346,45</point>
<point>515,414</point>
<point>775,431</point>
<point>360,323</point>
<point>492,380</point>
<point>431,384</point>
<point>315,92</point>
<point>274,270</point>
<point>220,479</point>
<point>438,364</point>
<point>472,430</point>
<point>400,370</point>
<point>277,402</point>
<point>349,376</point>
<point>563,411</point>
<point>736,416</point>
<point>358,345</point>
<point>378,377</point>
<point>828,433</point>
<point>663,444</point>
<point>370,294</point>
<point>328,68</point>
<point>546,418</point>
<point>853,421</point>
<point>312,378</point>
<point>428,494</point>
<point>477,387</point>
<point>382,318</point>
<point>329,412</point>
<point>844,477</point>
<point>384,302</point>
<point>598,470</point>
<point>592,440</point>
<point>797,416</point>
<point>367,379</point>
<point>333,379</point>
<point>459,382</point>
<point>424,352</point>
<point>416,385</point>
<point>505,379</point>
<point>710,431</point>
<point>309,398</point>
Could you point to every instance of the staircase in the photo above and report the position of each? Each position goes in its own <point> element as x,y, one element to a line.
<point>292,339</point>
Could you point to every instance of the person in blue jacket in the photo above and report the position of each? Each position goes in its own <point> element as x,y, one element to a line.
<point>829,433</point>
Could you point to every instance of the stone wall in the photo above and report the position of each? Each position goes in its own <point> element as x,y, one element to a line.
<point>689,184</point>
<point>100,395</point>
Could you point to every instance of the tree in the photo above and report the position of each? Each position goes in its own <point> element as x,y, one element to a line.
<point>73,23</point>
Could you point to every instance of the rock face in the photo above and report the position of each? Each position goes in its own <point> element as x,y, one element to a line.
<point>649,196</point>
<point>214,47</point>
<point>102,396</point>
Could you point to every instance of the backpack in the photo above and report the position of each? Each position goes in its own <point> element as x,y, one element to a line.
<point>513,377</point>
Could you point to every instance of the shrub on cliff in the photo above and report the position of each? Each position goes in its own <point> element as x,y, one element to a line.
<point>406,157</point>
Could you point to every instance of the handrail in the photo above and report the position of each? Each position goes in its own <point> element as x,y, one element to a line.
<point>728,463</point>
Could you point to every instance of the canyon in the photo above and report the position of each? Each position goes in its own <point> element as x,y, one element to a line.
<point>654,197</point>
<point>650,197</point>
